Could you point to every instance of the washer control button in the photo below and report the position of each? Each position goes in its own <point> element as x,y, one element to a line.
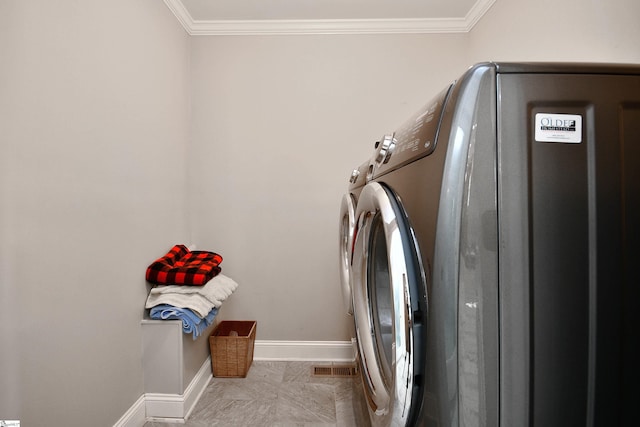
<point>386,148</point>
<point>354,176</point>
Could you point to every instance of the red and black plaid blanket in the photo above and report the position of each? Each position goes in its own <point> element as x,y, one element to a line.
<point>180,266</point>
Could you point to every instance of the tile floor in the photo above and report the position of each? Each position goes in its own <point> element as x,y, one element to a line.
<point>279,394</point>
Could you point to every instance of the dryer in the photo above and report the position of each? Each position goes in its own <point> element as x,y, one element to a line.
<point>347,229</point>
<point>495,241</point>
<point>347,232</point>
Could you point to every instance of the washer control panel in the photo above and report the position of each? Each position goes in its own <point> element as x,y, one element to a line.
<point>416,138</point>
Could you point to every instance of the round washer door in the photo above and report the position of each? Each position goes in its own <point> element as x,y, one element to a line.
<point>347,230</point>
<point>387,284</point>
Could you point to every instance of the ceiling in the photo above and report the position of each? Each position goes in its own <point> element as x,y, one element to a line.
<point>238,17</point>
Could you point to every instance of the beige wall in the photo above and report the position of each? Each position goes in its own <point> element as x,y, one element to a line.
<point>278,123</point>
<point>93,135</point>
<point>552,30</point>
<point>112,122</point>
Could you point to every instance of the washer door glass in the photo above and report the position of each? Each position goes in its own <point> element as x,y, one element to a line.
<point>389,302</point>
<point>379,289</point>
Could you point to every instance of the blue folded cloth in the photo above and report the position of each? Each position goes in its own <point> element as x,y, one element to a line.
<point>191,322</point>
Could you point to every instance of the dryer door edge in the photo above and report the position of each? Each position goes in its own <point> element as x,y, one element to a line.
<point>346,237</point>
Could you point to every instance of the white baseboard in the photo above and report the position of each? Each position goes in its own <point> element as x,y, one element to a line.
<point>317,351</point>
<point>168,408</point>
<point>135,416</point>
<point>176,408</point>
<point>198,385</point>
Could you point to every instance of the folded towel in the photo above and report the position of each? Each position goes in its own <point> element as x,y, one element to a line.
<point>200,299</point>
<point>180,266</point>
<point>191,323</point>
<point>196,303</point>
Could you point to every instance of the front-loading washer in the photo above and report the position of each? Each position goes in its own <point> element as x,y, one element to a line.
<point>390,266</point>
<point>347,231</point>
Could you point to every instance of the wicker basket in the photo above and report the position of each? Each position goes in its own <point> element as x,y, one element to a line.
<point>231,344</point>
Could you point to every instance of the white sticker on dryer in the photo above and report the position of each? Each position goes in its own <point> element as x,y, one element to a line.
<point>566,128</point>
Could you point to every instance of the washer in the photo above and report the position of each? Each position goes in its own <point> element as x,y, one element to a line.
<point>347,231</point>
<point>486,291</point>
<point>389,271</point>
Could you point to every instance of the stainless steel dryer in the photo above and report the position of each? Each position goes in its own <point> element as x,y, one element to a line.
<point>347,229</point>
<point>347,232</point>
<point>497,236</point>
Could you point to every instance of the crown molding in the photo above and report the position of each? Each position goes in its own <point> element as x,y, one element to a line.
<point>328,26</point>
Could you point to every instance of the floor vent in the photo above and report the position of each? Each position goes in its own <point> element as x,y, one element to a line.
<point>342,371</point>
